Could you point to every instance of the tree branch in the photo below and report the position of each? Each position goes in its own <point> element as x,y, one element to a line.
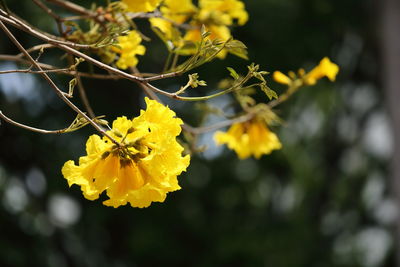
<point>26,127</point>
<point>60,93</point>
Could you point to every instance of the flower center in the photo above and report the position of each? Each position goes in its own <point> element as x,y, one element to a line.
<point>129,152</point>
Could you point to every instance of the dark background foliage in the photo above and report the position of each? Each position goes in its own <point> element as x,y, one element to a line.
<point>320,201</point>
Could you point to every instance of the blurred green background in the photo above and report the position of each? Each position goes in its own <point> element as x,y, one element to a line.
<point>320,201</point>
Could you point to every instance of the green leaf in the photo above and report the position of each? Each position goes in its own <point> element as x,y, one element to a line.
<point>233,73</point>
<point>253,67</point>
<point>195,82</point>
<point>80,122</point>
<point>268,91</point>
<point>72,84</point>
<point>258,76</point>
<point>237,48</point>
<point>204,32</point>
<point>108,40</point>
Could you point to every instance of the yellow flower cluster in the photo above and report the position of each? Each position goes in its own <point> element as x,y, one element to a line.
<point>128,47</point>
<point>216,15</point>
<point>251,138</point>
<point>326,68</point>
<point>141,5</point>
<point>142,170</point>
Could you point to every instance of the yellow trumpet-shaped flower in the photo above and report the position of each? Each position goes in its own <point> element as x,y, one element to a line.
<point>129,47</point>
<point>252,138</point>
<point>141,5</point>
<point>279,77</point>
<point>325,68</point>
<point>142,170</point>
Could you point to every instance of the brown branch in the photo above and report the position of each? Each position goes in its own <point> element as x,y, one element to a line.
<point>90,59</point>
<point>199,130</point>
<point>23,25</point>
<point>163,76</point>
<point>74,8</point>
<point>66,71</point>
<point>293,88</point>
<point>36,48</point>
<point>213,127</point>
<point>60,93</point>
<point>15,22</point>
<point>83,95</point>
<point>80,10</point>
<point>33,129</point>
<point>68,48</point>
<point>32,71</point>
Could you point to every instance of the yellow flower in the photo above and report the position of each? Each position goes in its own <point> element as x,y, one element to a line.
<point>129,47</point>
<point>141,5</point>
<point>217,15</point>
<point>279,77</point>
<point>223,11</point>
<point>177,11</point>
<point>325,68</point>
<point>216,32</point>
<point>143,170</point>
<point>249,138</point>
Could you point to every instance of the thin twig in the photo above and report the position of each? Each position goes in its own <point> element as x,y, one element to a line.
<point>73,7</point>
<point>66,46</point>
<point>60,93</point>
<point>32,71</point>
<point>15,22</point>
<point>163,76</point>
<point>36,48</point>
<point>81,88</point>
<point>80,10</point>
<point>150,93</point>
<point>200,130</point>
<point>22,25</point>
<point>293,88</point>
<point>82,94</point>
<point>33,129</point>
<point>64,70</point>
<point>212,127</point>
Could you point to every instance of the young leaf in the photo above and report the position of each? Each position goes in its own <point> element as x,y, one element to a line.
<point>233,73</point>
<point>268,91</point>
<point>237,48</point>
<point>72,84</point>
